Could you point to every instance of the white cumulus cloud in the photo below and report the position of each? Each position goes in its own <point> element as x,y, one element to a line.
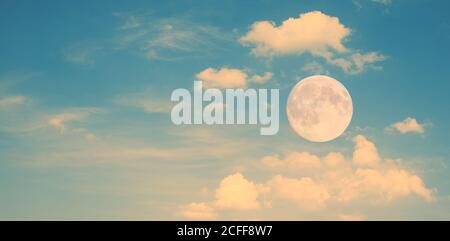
<point>313,32</point>
<point>308,194</point>
<point>236,192</point>
<point>365,153</point>
<point>230,78</point>
<point>315,184</point>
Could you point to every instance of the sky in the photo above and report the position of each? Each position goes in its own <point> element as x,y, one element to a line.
<point>85,128</point>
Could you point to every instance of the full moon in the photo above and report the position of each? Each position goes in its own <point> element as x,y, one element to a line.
<point>319,108</point>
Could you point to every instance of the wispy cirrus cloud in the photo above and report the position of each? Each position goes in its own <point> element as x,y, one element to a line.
<point>230,78</point>
<point>63,120</point>
<point>166,39</point>
<point>314,67</point>
<point>25,116</point>
<point>169,38</point>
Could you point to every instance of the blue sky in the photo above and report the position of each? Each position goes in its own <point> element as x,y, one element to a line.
<point>85,131</point>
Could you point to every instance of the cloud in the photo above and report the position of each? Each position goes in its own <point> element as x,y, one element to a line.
<point>129,21</point>
<point>315,33</point>
<point>163,39</point>
<point>361,3</point>
<point>74,153</point>
<point>316,184</point>
<point>186,149</point>
<point>237,193</point>
<point>261,79</point>
<point>223,78</point>
<point>312,32</point>
<point>384,186</point>
<point>357,62</point>
<point>230,78</point>
<point>304,192</point>
<point>305,163</point>
<point>334,160</point>
<point>198,211</point>
<point>293,161</point>
<point>365,153</point>
<point>409,125</point>
<point>13,100</point>
<point>61,120</point>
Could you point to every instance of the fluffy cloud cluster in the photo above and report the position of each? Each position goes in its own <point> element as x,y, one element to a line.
<point>313,183</point>
<point>408,125</point>
<point>230,78</point>
<point>365,153</point>
<point>313,32</point>
<point>235,192</point>
<point>366,177</point>
<point>162,39</point>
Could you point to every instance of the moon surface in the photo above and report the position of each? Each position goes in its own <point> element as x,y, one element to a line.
<point>319,108</point>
